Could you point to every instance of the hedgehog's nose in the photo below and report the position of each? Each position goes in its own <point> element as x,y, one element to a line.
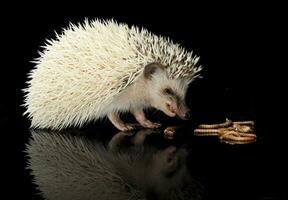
<point>187,115</point>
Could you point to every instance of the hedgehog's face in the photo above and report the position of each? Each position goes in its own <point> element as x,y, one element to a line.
<point>167,95</point>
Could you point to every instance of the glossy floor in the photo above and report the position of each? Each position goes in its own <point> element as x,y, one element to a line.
<point>101,163</point>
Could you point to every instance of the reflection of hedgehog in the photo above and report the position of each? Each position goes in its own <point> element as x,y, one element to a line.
<point>66,167</point>
<point>103,68</point>
<point>74,168</point>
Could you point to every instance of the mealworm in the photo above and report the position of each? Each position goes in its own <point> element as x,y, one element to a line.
<point>206,132</point>
<point>242,128</point>
<point>234,135</point>
<point>170,131</point>
<point>251,123</point>
<point>237,132</point>
<point>214,126</point>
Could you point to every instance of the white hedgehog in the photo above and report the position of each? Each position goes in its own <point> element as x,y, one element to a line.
<point>104,68</point>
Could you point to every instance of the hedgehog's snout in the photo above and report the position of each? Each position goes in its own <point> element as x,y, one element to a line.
<point>184,112</point>
<point>187,115</point>
<point>181,110</point>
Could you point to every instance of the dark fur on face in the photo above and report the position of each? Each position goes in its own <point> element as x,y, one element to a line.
<point>151,69</point>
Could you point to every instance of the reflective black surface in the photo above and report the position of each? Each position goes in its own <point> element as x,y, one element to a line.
<point>73,167</point>
<point>96,162</point>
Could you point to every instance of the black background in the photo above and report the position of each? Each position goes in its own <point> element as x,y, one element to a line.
<point>240,48</point>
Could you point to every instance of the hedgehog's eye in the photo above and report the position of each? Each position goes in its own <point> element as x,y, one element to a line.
<point>168,91</point>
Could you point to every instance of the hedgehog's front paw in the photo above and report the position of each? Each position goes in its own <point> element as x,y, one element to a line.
<point>127,127</point>
<point>141,118</point>
<point>149,124</point>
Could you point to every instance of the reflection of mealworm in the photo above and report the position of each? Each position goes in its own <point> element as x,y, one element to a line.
<point>214,126</point>
<point>237,138</point>
<point>237,141</point>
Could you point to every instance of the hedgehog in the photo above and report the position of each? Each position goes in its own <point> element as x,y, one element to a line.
<point>103,68</point>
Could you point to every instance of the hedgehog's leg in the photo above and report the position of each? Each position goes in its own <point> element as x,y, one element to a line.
<point>118,123</point>
<point>141,118</point>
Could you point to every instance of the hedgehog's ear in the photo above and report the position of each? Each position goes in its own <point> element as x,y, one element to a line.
<point>151,68</point>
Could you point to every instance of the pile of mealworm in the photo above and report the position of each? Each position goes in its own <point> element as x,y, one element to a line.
<point>237,132</point>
